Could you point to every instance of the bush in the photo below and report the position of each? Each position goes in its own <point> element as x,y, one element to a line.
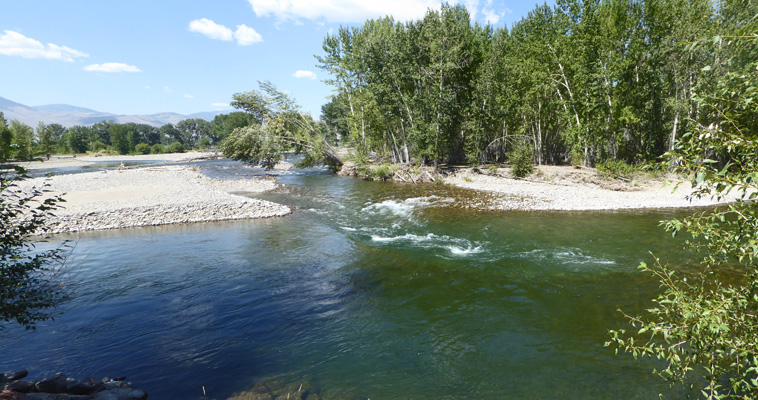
<point>142,148</point>
<point>577,158</point>
<point>158,149</point>
<point>98,145</point>
<point>28,287</point>
<point>176,147</point>
<point>521,158</point>
<point>204,143</point>
<point>615,169</point>
<point>382,172</point>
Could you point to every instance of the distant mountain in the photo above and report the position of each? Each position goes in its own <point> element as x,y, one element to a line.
<point>68,115</point>
<point>64,108</point>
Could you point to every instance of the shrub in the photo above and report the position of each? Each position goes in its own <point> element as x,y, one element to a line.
<point>176,147</point>
<point>142,148</point>
<point>577,157</point>
<point>521,158</point>
<point>492,169</point>
<point>98,145</point>
<point>204,143</point>
<point>158,149</point>
<point>28,277</point>
<point>382,172</point>
<point>615,169</point>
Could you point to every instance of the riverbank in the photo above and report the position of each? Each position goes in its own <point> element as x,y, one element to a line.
<point>548,188</point>
<point>566,188</point>
<point>123,198</point>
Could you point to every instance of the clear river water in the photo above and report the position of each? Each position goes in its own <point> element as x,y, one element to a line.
<point>367,290</point>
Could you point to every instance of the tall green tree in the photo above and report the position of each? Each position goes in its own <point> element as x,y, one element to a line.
<point>6,139</point>
<point>76,138</point>
<point>224,124</point>
<point>23,140</point>
<point>120,135</point>
<point>284,128</point>
<point>192,130</point>
<point>49,137</point>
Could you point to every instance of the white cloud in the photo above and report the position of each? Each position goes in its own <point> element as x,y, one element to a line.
<point>188,96</point>
<point>343,10</point>
<point>111,67</point>
<point>168,89</point>
<point>220,105</point>
<point>210,29</point>
<point>300,74</point>
<point>148,87</point>
<point>246,35</point>
<point>346,11</point>
<point>15,44</point>
<point>491,16</point>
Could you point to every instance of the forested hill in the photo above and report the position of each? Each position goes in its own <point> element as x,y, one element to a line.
<point>580,82</point>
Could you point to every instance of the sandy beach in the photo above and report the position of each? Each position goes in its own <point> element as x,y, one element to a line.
<point>146,196</point>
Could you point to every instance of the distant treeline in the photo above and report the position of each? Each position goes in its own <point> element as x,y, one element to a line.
<point>581,82</point>
<point>21,141</point>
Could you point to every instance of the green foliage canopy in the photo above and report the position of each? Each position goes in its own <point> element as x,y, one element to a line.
<point>28,287</point>
<point>283,128</point>
<point>704,326</point>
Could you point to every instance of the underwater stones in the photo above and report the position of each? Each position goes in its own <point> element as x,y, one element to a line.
<point>59,387</point>
<point>274,390</point>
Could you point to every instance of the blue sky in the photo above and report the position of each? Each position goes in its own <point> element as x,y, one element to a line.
<point>148,56</point>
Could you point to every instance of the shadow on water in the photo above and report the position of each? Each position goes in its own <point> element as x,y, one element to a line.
<point>368,289</point>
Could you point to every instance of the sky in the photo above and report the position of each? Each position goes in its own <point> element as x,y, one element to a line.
<point>148,56</point>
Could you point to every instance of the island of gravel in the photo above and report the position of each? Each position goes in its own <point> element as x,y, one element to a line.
<point>161,195</point>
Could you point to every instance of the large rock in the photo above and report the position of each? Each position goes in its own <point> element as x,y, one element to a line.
<point>54,384</point>
<point>20,386</point>
<point>10,395</point>
<point>13,376</point>
<point>85,387</point>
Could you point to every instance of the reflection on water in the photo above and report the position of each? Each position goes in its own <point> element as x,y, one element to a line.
<point>376,290</point>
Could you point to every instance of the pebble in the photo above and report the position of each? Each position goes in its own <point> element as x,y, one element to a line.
<point>159,196</point>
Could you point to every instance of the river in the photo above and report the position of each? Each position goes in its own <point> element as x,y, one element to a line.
<point>368,290</point>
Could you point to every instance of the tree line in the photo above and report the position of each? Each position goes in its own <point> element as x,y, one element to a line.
<point>581,82</point>
<point>22,142</point>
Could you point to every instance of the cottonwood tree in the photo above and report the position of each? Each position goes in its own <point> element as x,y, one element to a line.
<point>283,127</point>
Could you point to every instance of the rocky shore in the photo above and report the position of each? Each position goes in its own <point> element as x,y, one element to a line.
<point>548,188</point>
<point>59,387</point>
<point>565,188</point>
<point>152,196</point>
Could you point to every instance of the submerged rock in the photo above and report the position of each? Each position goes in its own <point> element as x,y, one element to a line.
<point>13,376</point>
<point>274,390</point>
<point>58,387</point>
<point>54,384</point>
<point>20,386</point>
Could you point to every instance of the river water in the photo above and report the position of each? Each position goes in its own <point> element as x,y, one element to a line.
<point>368,290</point>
